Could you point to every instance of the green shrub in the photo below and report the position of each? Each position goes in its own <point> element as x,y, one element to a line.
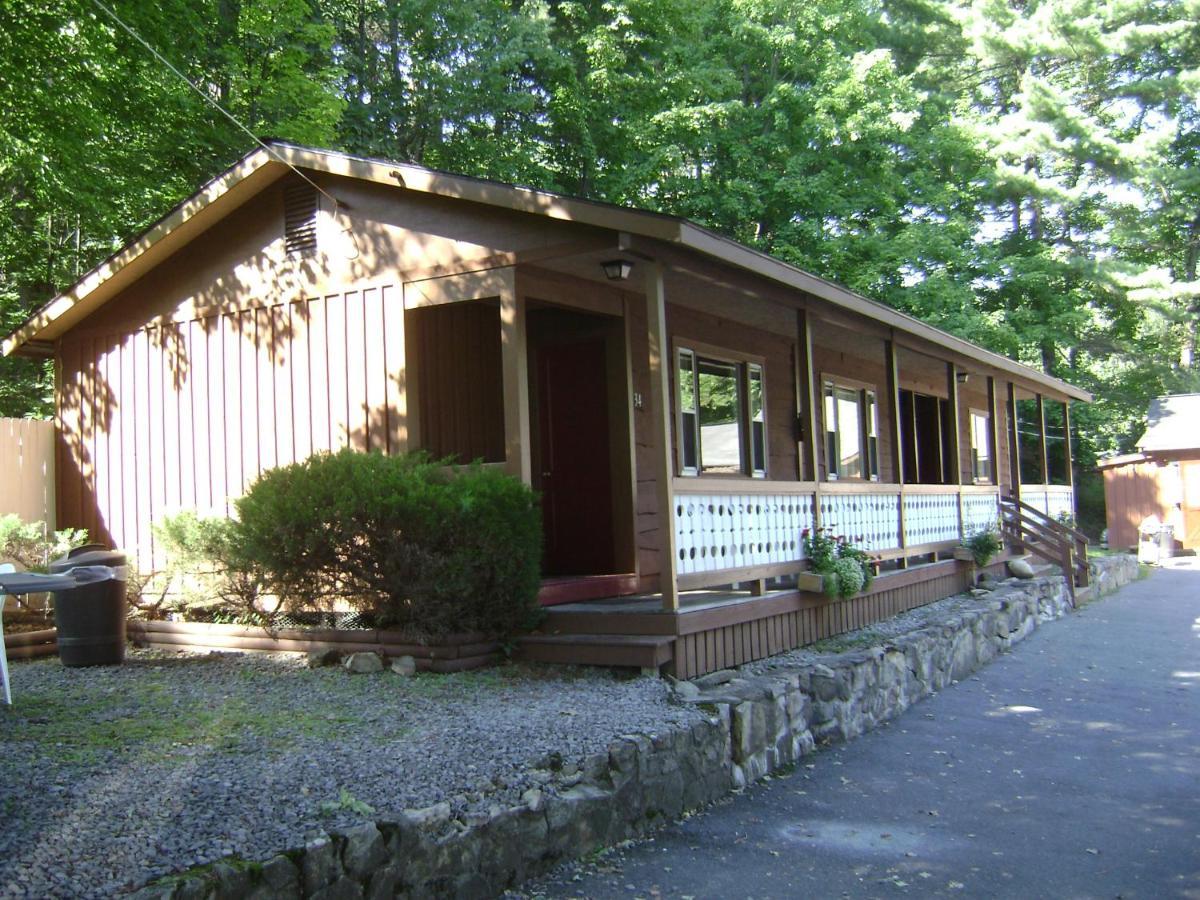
<point>205,569</point>
<point>422,549</point>
<point>849,576</point>
<point>29,544</point>
<point>847,568</point>
<point>984,545</point>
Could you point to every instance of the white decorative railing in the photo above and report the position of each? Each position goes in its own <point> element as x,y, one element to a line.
<point>980,512</point>
<point>930,518</point>
<point>758,527</point>
<point>1052,499</point>
<point>734,531</point>
<point>871,521</point>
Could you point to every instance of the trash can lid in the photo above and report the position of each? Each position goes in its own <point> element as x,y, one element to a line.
<point>35,583</point>
<point>90,558</point>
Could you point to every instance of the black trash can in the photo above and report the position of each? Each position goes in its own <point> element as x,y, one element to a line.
<point>90,618</point>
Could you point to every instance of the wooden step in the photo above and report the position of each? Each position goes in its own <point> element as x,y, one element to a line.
<point>574,588</point>
<point>626,650</point>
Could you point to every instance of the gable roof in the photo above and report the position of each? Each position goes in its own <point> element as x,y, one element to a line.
<point>1172,423</point>
<point>262,166</point>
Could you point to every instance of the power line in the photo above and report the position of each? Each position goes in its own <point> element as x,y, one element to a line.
<point>217,106</point>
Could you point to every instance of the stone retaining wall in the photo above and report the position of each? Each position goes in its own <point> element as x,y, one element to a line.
<point>757,726</point>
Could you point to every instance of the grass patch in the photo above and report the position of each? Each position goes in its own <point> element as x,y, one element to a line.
<point>85,722</point>
<point>859,640</point>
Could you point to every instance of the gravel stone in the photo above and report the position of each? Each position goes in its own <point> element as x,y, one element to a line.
<point>275,754</point>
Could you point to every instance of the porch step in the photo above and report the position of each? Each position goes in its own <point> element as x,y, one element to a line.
<point>574,588</point>
<point>627,650</point>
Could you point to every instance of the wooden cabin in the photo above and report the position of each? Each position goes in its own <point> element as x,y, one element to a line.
<point>686,406</point>
<point>1162,479</point>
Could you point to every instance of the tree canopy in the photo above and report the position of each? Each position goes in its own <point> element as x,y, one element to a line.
<point>1019,172</point>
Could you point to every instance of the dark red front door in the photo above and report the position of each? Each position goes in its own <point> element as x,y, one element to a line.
<point>576,471</point>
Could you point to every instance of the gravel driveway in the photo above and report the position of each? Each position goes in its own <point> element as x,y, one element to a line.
<point>113,776</point>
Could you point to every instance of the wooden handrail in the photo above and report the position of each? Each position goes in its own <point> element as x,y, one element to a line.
<point>1051,540</point>
<point>1078,535</point>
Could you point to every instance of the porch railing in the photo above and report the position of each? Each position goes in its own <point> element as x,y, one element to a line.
<point>1029,528</point>
<point>740,531</point>
<point>1053,500</point>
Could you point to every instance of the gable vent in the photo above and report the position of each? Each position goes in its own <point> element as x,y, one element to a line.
<point>300,220</point>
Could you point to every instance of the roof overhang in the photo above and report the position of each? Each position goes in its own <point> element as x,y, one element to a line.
<point>259,168</point>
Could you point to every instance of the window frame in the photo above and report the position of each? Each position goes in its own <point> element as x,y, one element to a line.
<point>988,445</point>
<point>744,363</point>
<point>867,399</point>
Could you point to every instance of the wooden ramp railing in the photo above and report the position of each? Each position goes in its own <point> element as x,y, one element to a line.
<point>1030,529</point>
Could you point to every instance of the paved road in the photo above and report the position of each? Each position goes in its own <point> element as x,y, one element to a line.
<point>1069,768</point>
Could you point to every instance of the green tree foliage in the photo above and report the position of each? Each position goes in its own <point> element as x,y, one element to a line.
<point>99,138</point>
<point>1020,173</point>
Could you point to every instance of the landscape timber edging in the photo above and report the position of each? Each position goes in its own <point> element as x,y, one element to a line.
<point>757,726</point>
<point>453,653</point>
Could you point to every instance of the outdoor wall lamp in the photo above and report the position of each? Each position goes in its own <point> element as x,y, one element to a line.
<point>616,269</point>
<point>963,377</point>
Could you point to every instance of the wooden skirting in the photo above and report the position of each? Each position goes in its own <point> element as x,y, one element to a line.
<point>31,644</point>
<point>454,653</point>
<point>746,632</point>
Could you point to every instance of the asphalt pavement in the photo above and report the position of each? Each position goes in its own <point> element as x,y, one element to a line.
<point>1069,768</point>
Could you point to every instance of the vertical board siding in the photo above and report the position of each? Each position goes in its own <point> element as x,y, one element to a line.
<point>185,415</point>
<point>457,349</point>
<point>733,645</point>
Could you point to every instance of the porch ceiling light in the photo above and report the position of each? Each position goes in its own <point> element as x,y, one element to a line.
<point>616,269</point>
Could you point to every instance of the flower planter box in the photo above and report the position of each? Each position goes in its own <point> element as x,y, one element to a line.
<point>811,582</point>
<point>964,554</point>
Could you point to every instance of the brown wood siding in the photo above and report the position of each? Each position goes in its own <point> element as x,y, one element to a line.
<point>861,358</point>
<point>779,374</point>
<point>1132,492</point>
<point>455,356</point>
<point>645,447</point>
<point>187,414</point>
<point>721,646</point>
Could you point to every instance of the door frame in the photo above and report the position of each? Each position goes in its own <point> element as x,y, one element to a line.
<point>613,329</point>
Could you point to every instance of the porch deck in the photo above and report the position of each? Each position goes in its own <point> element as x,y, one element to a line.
<point>716,628</point>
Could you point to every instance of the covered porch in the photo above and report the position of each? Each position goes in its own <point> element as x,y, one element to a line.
<point>684,423</point>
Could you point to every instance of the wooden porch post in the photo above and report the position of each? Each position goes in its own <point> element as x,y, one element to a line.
<point>955,468</point>
<point>806,397</point>
<point>1014,442</point>
<point>993,435</point>
<point>955,473</point>
<point>1067,449</point>
<point>660,416</point>
<point>1041,407</point>
<point>515,367</point>
<point>893,401</point>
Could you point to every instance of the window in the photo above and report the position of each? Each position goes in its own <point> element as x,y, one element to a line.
<point>981,448</point>
<point>851,432</point>
<point>722,416</point>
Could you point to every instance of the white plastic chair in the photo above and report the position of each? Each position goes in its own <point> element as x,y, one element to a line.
<point>5,569</point>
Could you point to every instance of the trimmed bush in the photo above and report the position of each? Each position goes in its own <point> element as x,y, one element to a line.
<point>422,548</point>
<point>206,571</point>
<point>32,546</point>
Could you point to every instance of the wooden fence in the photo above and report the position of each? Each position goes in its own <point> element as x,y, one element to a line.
<point>27,469</point>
